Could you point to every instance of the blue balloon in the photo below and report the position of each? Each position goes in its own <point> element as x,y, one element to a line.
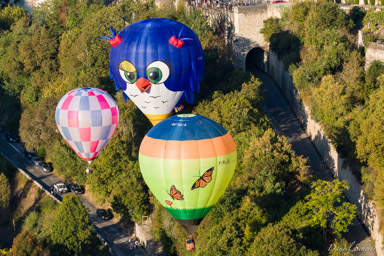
<point>157,63</point>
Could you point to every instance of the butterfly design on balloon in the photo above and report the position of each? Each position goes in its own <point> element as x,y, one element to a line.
<point>175,194</point>
<point>200,183</point>
<point>157,63</point>
<point>203,180</point>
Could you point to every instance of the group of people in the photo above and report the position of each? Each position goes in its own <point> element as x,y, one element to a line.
<point>218,4</point>
<point>133,244</point>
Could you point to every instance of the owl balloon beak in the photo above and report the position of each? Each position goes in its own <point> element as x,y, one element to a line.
<point>143,84</point>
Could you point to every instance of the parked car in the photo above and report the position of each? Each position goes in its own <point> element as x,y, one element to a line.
<point>60,188</point>
<point>45,166</point>
<point>77,189</point>
<point>36,160</point>
<point>278,2</point>
<point>104,214</point>
<point>52,190</point>
<point>29,154</point>
<point>11,137</point>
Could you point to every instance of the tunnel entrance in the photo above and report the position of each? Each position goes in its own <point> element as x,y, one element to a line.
<point>255,60</point>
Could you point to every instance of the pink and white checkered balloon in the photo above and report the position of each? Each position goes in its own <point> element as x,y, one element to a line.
<point>87,118</point>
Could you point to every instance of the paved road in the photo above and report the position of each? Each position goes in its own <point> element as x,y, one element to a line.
<point>286,123</point>
<point>111,232</point>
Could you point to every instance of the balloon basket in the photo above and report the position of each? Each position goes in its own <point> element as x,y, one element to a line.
<point>190,243</point>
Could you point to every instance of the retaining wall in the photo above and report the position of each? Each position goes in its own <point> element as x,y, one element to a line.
<point>366,209</point>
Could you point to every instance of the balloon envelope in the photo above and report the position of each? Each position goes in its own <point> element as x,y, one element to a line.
<point>157,63</point>
<point>87,119</point>
<point>188,161</point>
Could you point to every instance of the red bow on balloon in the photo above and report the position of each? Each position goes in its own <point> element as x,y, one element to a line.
<point>176,42</point>
<point>115,41</point>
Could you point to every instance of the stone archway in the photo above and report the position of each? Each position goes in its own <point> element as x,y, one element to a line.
<point>255,59</point>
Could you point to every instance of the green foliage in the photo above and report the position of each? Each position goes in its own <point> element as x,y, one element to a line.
<point>323,17</point>
<point>9,15</point>
<point>199,24</point>
<point>5,192</point>
<point>337,245</point>
<point>357,14</point>
<point>352,76</point>
<point>365,2</point>
<point>39,221</point>
<point>373,22</point>
<point>116,177</point>
<point>372,2</point>
<point>322,59</point>
<point>330,105</point>
<point>327,208</point>
<point>278,240</point>
<point>368,177</point>
<point>4,251</point>
<point>236,111</point>
<point>30,222</point>
<point>39,130</point>
<point>130,196</point>
<point>369,131</point>
<point>232,234</point>
<point>26,244</point>
<point>372,78</point>
<point>70,229</point>
<point>287,46</point>
<point>271,26</point>
<point>270,163</point>
<point>297,17</point>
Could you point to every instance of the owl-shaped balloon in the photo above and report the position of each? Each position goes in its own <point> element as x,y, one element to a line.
<point>157,63</point>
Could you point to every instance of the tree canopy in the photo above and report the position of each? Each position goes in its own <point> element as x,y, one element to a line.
<point>70,229</point>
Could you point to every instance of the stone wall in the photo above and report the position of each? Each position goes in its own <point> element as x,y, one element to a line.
<point>143,233</point>
<point>247,23</point>
<point>366,209</point>
<point>374,52</point>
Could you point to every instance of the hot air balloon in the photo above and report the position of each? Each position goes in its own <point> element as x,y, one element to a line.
<point>87,119</point>
<point>188,161</point>
<point>157,63</point>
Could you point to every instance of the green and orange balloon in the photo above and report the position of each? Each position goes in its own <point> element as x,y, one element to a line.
<point>188,161</point>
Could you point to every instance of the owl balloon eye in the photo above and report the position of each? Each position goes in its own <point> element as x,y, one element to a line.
<point>128,72</point>
<point>157,72</point>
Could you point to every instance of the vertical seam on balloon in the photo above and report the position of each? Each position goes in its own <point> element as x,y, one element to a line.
<point>217,165</point>
<point>200,166</point>
<point>162,162</point>
<point>182,170</point>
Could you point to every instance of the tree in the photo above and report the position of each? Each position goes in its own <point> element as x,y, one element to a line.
<point>327,208</point>
<point>9,15</point>
<point>278,240</point>
<point>130,196</point>
<point>270,164</point>
<point>238,110</point>
<point>5,192</point>
<point>372,78</point>
<point>271,26</point>
<point>325,16</point>
<point>70,229</point>
<point>26,244</point>
<point>368,131</point>
<point>330,104</point>
<point>232,228</point>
